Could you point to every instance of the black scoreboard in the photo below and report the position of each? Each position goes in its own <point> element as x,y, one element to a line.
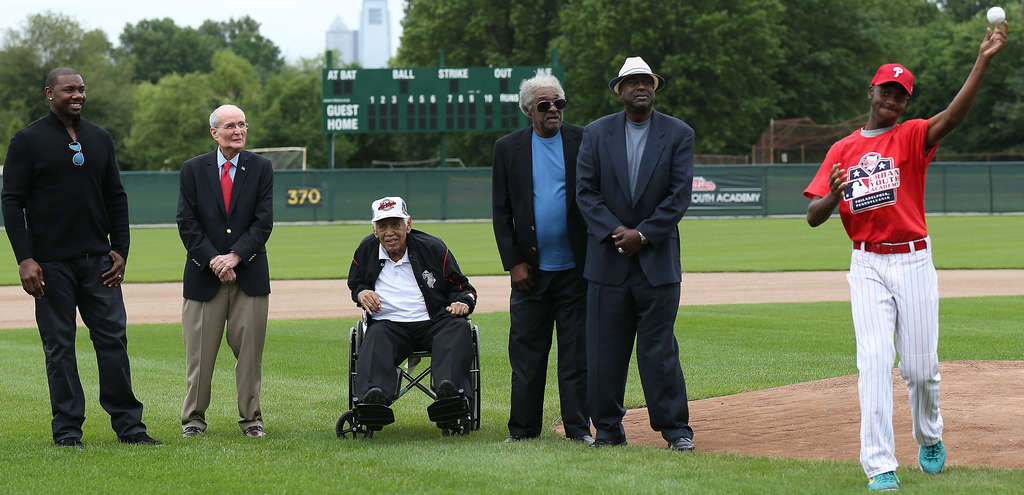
<point>438,100</point>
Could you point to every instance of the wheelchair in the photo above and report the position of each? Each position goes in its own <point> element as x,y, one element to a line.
<point>452,416</point>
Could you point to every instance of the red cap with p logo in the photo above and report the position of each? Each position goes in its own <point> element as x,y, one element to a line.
<point>894,73</point>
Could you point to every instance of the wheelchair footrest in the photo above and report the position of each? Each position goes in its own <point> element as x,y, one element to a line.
<point>448,409</point>
<point>374,414</point>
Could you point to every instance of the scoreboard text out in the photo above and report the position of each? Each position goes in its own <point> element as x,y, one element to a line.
<point>440,99</point>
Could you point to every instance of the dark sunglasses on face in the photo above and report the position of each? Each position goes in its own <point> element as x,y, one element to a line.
<point>78,158</point>
<point>544,106</point>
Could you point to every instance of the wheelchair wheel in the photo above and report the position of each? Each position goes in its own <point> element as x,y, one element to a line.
<point>339,428</point>
<point>461,428</point>
<point>347,424</point>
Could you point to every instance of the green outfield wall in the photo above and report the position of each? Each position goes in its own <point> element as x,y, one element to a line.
<point>465,193</point>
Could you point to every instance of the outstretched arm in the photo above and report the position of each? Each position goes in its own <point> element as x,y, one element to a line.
<point>945,121</point>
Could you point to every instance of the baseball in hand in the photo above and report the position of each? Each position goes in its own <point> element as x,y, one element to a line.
<point>996,15</point>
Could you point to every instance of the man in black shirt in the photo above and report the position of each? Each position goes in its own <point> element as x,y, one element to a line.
<point>66,215</point>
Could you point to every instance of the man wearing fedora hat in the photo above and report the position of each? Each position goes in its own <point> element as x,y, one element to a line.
<point>634,177</point>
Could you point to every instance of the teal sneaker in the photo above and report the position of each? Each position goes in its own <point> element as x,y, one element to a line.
<point>885,482</point>
<point>933,458</point>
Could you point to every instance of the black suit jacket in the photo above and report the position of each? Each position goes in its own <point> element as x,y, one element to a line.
<point>512,197</point>
<point>664,185</point>
<point>206,231</point>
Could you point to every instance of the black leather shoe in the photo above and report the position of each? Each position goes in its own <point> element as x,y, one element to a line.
<point>140,438</point>
<point>517,438</point>
<point>681,444</point>
<point>585,439</point>
<point>75,443</point>
<point>447,389</point>
<point>375,396</point>
<point>607,443</point>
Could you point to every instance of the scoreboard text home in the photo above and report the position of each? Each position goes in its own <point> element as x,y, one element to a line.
<point>442,99</point>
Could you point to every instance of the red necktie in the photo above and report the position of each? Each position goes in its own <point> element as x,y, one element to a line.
<point>225,185</point>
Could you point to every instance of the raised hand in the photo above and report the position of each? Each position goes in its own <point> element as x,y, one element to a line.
<point>994,40</point>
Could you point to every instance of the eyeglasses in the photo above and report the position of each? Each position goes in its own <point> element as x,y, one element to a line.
<point>78,158</point>
<point>233,125</point>
<point>544,106</point>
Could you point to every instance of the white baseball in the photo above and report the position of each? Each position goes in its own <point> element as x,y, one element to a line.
<point>996,15</point>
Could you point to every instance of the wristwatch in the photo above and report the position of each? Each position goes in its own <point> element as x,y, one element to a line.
<point>643,240</point>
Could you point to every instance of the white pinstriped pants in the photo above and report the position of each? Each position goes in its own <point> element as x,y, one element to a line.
<point>895,294</point>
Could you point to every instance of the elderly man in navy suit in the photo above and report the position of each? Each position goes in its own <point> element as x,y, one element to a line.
<point>635,174</point>
<point>541,240</point>
<point>225,215</point>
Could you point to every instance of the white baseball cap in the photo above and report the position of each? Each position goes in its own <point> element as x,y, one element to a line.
<point>389,207</point>
<point>633,66</point>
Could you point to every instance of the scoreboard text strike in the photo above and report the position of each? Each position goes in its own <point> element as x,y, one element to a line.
<point>441,99</point>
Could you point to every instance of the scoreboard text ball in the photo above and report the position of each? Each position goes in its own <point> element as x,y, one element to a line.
<point>440,99</point>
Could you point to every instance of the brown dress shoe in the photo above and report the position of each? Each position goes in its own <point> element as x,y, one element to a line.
<point>191,431</point>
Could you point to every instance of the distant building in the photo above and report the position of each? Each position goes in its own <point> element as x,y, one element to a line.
<point>344,41</point>
<point>375,34</point>
<point>370,45</point>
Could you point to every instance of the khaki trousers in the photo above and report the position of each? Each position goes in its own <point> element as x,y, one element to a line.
<point>202,326</point>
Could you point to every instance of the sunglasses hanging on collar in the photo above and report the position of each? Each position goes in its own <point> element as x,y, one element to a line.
<point>78,159</point>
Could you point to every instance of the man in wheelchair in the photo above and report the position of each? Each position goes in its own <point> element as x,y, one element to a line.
<point>417,299</point>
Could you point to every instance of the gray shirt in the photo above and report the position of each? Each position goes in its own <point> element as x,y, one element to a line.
<point>636,141</point>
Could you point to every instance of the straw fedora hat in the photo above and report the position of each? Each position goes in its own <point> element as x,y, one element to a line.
<point>633,66</point>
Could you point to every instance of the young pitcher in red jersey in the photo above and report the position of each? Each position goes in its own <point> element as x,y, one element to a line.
<point>876,176</point>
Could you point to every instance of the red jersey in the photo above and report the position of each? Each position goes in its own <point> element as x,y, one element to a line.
<point>883,200</point>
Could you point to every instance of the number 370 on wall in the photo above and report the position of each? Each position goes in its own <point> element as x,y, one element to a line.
<point>304,196</point>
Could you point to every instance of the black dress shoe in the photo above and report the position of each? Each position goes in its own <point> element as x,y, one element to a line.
<point>599,443</point>
<point>517,438</point>
<point>681,444</point>
<point>75,443</point>
<point>585,439</point>
<point>375,396</point>
<point>447,389</point>
<point>140,438</point>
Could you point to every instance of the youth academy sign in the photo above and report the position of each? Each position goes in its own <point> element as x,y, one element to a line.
<point>734,193</point>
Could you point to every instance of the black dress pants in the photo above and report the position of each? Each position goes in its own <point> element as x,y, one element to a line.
<point>387,343</point>
<point>616,315</point>
<point>557,301</point>
<point>78,283</point>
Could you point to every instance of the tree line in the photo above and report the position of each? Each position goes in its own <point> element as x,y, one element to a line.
<point>731,65</point>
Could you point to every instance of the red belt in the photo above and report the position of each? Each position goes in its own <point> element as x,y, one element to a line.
<point>886,248</point>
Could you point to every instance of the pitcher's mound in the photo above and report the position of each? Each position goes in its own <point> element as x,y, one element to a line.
<point>982,405</point>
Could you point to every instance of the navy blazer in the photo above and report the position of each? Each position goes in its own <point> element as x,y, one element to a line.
<point>664,184</point>
<point>207,231</point>
<point>512,197</point>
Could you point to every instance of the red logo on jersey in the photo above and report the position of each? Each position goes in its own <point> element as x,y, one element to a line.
<point>872,183</point>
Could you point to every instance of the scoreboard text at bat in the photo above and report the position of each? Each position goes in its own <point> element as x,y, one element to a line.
<point>441,99</point>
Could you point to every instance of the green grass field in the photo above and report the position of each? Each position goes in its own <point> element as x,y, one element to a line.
<point>724,350</point>
<point>708,245</point>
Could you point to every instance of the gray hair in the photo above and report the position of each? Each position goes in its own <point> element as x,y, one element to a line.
<point>531,85</point>
<point>213,115</point>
